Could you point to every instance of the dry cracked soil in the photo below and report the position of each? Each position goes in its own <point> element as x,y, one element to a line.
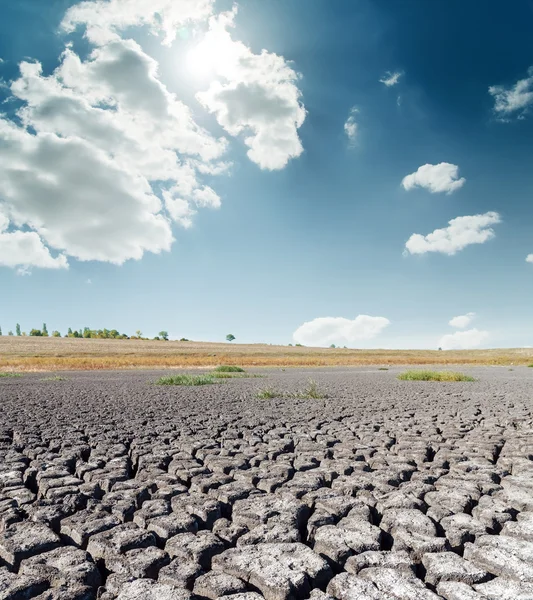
<point>114,488</point>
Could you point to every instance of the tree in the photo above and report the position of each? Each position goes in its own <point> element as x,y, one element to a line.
<point>139,333</point>
<point>17,329</point>
<point>333,346</point>
<point>10,332</point>
<point>0,331</point>
<point>69,332</point>
<point>36,332</point>
<point>45,331</point>
<point>56,334</point>
<point>164,335</point>
<point>230,337</point>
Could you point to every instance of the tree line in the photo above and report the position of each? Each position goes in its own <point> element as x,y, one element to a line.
<point>101,334</point>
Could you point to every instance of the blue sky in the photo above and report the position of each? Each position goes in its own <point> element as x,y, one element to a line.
<point>293,161</point>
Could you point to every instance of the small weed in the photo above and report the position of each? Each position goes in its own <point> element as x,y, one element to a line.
<point>229,369</point>
<point>186,380</point>
<point>268,394</point>
<point>383,369</point>
<point>434,376</point>
<point>237,376</point>
<point>311,392</point>
<point>531,366</point>
<point>10,374</point>
<point>55,378</point>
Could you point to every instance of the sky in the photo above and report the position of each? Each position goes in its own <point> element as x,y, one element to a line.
<point>354,173</point>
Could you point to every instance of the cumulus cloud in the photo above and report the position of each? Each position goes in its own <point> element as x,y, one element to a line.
<point>463,340</point>
<point>516,99</point>
<point>391,78</point>
<point>462,321</point>
<point>529,258</point>
<point>325,331</point>
<point>351,127</point>
<point>443,177</point>
<point>104,18</point>
<point>101,158</point>
<point>254,95</point>
<point>461,232</point>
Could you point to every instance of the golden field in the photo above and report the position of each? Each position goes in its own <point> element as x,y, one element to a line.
<point>56,354</point>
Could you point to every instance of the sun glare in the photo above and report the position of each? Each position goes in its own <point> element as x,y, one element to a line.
<point>212,56</point>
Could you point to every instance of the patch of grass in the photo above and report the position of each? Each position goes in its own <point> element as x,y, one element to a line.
<point>311,392</point>
<point>237,376</point>
<point>268,394</point>
<point>530,365</point>
<point>434,376</point>
<point>186,380</point>
<point>383,369</point>
<point>55,378</point>
<point>229,369</point>
<point>10,374</point>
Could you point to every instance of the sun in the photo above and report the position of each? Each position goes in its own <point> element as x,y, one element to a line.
<point>214,55</point>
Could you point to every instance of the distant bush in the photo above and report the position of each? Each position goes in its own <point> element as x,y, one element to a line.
<point>185,380</point>
<point>184,340</point>
<point>164,335</point>
<point>434,376</point>
<point>56,334</point>
<point>268,394</point>
<point>230,337</point>
<point>229,369</point>
<point>36,332</point>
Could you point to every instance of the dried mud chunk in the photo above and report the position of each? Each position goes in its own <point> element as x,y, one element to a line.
<point>398,584</point>
<point>119,540</point>
<point>207,510</point>
<point>504,589</point>
<point>453,590</point>
<point>168,526</point>
<point>25,539</point>
<point>63,567</point>
<point>146,589</point>
<point>81,526</point>
<point>279,571</point>
<point>139,563</point>
<point>198,548</point>
<point>349,537</point>
<point>349,587</point>
<point>503,556</point>
<point>418,544</point>
<point>266,508</point>
<point>14,586</point>
<point>214,585</point>
<point>394,560</point>
<point>413,521</point>
<point>277,532</point>
<point>448,566</point>
<point>180,573</point>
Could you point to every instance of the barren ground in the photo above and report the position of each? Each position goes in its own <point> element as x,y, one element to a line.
<point>112,487</point>
<point>34,354</point>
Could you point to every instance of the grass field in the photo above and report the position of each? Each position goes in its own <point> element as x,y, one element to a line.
<point>55,354</point>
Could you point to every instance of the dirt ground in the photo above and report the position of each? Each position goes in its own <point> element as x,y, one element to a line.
<point>113,487</point>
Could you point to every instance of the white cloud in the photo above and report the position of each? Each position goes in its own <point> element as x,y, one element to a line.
<point>443,177</point>
<point>462,321</point>
<point>515,99</point>
<point>255,95</point>
<point>104,18</point>
<point>325,331</point>
<point>461,232</point>
<point>351,127</point>
<point>529,258</point>
<point>463,340</point>
<point>391,78</point>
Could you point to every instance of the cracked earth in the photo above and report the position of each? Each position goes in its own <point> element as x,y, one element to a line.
<point>114,488</point>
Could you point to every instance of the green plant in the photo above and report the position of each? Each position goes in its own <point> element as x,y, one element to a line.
<point>268,394</point>
<point>186,380</point>
<point>311,392</point>
<point>56,334</point>
<point>55,378</point>
<point>10,332</point>
<point>229,369</point>
<point>383,369</point>
<point>230,337</point>
<point>434,376</point>
<point>36,332</point>
<point>10,374</point>
<point>17,329</point>
<point>44,330</point>
<point>530,365</point>
<point>163,335</point>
